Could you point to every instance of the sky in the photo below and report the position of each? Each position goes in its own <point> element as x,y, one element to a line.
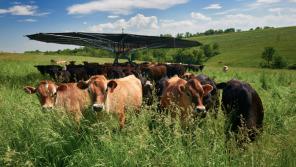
<point>148,17</point>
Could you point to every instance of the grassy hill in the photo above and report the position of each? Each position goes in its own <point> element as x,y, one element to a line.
<point>243,49</point>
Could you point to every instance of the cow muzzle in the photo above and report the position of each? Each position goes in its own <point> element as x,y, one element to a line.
<point>200,109</point>
<point>47,108</point>
<point>98,107</point>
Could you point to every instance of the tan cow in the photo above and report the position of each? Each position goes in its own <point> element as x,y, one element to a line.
<point>58,62</point>
<point>114,96</point>
<point>66,96</point>
<point>225,68</point>
<point>187,95</point>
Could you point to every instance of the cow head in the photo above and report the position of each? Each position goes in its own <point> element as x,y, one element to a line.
<point>196,92</point>
<point>98,86</point>
<point>46,92</point>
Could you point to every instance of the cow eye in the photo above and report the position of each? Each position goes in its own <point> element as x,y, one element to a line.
<point>54,94</point>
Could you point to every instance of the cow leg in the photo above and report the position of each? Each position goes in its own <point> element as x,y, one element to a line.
<point>121,119</point>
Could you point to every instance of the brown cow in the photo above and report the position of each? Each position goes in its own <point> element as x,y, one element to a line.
<point>187,95</point>
<point>155,72</point>
<point>67,96</point>
<point>114,96</point>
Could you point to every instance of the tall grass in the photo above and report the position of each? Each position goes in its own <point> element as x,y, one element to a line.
<point>30,137</point>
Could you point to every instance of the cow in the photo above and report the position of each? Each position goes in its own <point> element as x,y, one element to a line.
<point>155,72</point>
<point>185,94</point>
<point>211,100</point>
<point>114,96</point>
<point>175,69</point>
<point>48,69</point>
<point>66,96</point>
<point>187,76</point>
<point>225,68</point>
<point>195,68</point>
<point>242,107</point>
<point>58,62</point>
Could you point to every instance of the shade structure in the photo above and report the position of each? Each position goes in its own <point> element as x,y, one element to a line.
<point>117,43</point>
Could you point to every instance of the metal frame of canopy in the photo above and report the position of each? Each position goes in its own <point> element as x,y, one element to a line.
<point>119,44</point>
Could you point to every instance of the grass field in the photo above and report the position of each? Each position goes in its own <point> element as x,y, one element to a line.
<point>244,49</point>
<point>30,137</point>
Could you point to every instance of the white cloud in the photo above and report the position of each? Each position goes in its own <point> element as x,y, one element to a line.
<point>267,1</point>
<point>292,0</point>
<point>113,17</point>
<point>150,25</point>
<point>259,3</point>
<point>84,23</point>
<point>16,3</point>
<point>226,12</point>
<point>23,10</point>
<point>134,24</point>
<point>120,6</point>
<point>28,20</point>
<point>213,6</point>
<point>3,11</point>
<point>200,16</point>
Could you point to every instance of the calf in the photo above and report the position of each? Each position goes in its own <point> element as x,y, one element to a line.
<point>114,96</point>
<point>67,96</point>
<point>242,106</point>
<point>185,94</point>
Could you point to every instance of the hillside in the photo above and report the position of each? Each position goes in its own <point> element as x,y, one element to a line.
<point>243,49</point>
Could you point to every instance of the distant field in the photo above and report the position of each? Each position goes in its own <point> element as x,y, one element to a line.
<point>244,49</point>
<point>30,137</point>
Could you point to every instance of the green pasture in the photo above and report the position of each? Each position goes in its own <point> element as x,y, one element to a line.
<point>30,137</point>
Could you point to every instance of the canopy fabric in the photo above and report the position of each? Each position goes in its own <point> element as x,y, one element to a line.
<point>113,42</point>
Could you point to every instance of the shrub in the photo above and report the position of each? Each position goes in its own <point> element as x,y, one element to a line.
<point>292,67</point>
<point>279,62</point>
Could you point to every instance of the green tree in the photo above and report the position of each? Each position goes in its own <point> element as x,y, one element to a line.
<point>180,35</point>
<point>207,50</point>
<point>267,54</point>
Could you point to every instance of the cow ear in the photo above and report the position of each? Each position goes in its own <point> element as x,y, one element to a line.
<point>207,88</point>
<point>221,85</point>
<point>30,89</point>
<point>82,85</point>
<point>112,85</point>
<point>62,88</point>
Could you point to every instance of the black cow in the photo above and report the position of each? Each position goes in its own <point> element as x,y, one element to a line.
<point>211,100</point>
<point>243,108</point>
<point>175,69</point>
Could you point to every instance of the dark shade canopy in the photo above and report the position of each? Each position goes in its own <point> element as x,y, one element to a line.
<point>119,43</point>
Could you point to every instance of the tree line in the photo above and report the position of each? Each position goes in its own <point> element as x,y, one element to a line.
<point>212,32</point>
<point>197,55</point>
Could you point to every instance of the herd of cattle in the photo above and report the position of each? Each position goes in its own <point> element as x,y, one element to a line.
<point>116,88</point>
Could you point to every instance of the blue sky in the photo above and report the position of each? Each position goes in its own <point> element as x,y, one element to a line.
<point>150,17</point>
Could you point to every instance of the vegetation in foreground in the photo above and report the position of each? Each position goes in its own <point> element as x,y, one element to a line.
<point>30,137</point>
